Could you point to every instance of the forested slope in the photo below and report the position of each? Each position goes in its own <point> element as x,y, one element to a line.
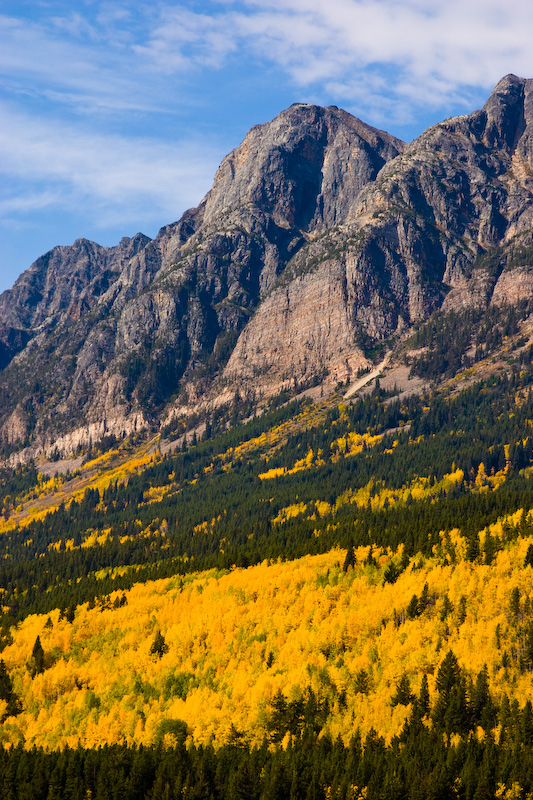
<point>339,590</point>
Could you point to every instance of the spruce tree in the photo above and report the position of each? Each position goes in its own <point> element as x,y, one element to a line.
<point>159,646</point>
<point>6,693</point>
<point>36,663</point>
<point>403,695</point>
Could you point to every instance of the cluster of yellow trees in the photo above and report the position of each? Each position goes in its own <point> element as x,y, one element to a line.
<point>48,494</point>
<point>214,648</point>
<point>373,495</point>
<point>116,465</point>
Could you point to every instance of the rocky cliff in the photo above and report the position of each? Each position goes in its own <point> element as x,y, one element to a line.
<point>415,240</point>
<point>319,236</point>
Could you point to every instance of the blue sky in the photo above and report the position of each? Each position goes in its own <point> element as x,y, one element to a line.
<point>115,115</point>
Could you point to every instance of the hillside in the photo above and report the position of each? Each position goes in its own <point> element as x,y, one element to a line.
<point>299,578</point>
<point>236,642</point>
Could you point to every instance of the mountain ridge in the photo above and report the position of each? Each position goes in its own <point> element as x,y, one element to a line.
<point>320,237</point>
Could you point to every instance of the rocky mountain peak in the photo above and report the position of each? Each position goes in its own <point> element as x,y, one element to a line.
<point>305,167</point>
<point>320,235</point>
<point>508,113</point>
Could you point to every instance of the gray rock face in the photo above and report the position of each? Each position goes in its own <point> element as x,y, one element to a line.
<point>65,283</point>
<point>319,233</point>
<point>305,168</point>
<point>409,244</point>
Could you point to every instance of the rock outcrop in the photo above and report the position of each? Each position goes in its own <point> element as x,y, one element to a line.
<point>319,236</point>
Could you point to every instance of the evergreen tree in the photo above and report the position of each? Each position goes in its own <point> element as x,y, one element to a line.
<point>412,608</point>
<point>490,548</point>
<point>6,693</point>
<point>159,647</point>
<point>403,695</point>
<point>349,561</point>
<point>423,699</point>
<point>362,682</point>
<point>447,607</point>
<point>451,711</point>
<point>36,663</point>
<point>461,610</point>
<point>243,784</point>
<point>473,548</point>
<point>514,602</point>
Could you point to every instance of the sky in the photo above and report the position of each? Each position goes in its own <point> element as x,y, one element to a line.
<point>114,116</point>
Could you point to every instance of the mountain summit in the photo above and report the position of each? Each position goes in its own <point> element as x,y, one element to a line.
<point>320,236</point>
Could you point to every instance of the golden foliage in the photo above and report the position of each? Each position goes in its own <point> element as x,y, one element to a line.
<point>236,638</point>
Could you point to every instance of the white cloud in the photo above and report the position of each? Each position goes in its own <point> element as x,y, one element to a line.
<point>112,177</point>
<point>455,43</point>
<point>122,55</point>
<point>184,39</point>
<point>435,49</point>
<point>75,62</point>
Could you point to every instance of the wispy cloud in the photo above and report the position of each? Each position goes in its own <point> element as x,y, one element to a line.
<point>76,62</point>
<point>112,177</point>
<point>121,56</point>
<point>435,49</point>
<point>184,39</point>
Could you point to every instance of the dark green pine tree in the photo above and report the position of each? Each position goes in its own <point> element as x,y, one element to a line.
<point>526,724</point>
<point>423,699</point>
<point>24,780</point>
<point>73,784</point>
<point>451,711</point>
<point>159,646</point>
<point>362,682</point>
<point>514,602</point>
<point>36,663</point>
<point>277,785</point>
<point>425,599</point>
<point>448,674</point>
<point>490,548</point>
<point>8,775</point>
<point>473,548</point>
<point>6,693</point>
<point>55,785</point>
<point>349,561</point>
<point>243,784</point>
<point>412,608</point>
<point>403,695</point>
<point>483,710</point>
<point>277,722</point>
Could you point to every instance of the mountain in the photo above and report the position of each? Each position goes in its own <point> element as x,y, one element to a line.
<point>328,600</point>
<point>321,238</point>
